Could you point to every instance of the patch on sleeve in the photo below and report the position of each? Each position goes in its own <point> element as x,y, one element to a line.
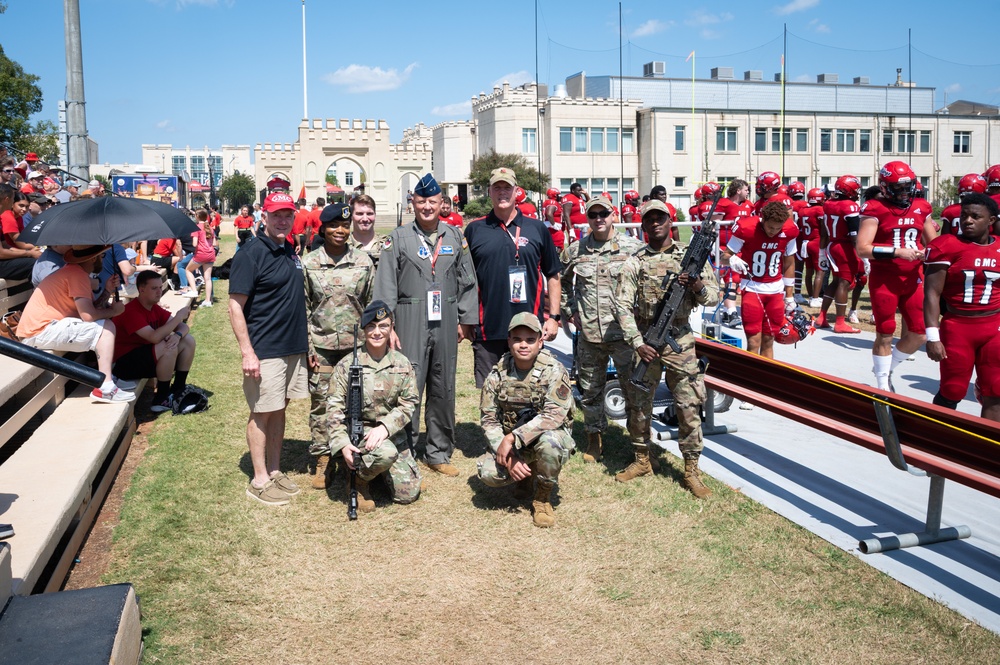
<point>562,392</point>
<point>465,243</point>
<point>388,243</point>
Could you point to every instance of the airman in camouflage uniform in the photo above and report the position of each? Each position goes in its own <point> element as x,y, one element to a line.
<point>339,281</point>
<point>637,298</point>
<point>363,235</point>
<point>591,271</point>
<point>526,409</point>
<point>390,396</point>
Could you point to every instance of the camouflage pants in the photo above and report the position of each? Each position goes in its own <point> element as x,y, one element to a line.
<point>592,364</point>
<point>688,388</point>
<point>319,388</point>
<point>546,457</point>
<point>400,469</point>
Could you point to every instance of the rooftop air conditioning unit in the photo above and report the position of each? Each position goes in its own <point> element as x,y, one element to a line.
<point>656,68</point>
<point>722,73</point>
<point>827,78</point>
<point>753,75</point>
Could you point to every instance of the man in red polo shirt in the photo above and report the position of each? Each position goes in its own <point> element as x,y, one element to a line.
<point>449,216</point>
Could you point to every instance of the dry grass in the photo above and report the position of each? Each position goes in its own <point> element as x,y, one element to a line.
<point>632,573</point>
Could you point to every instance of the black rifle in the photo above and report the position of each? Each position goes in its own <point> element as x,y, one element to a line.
<point>355,426</point>
<point>658,336</point>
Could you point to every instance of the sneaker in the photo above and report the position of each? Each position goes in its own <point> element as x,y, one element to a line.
<point>205,303</point>
<point>164,405</point>
<point>735,321</point>
<point>845,329</point>
<point>285,484</point>
<point>815,302</point>
<point>116,394</point>
<point>746,406</point>
<point>852,317</point>
<point>269,494</point>
<point>125,384</point>
<point>199,282</point>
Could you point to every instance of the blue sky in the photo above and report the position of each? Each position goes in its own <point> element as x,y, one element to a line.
<point>208,72</point>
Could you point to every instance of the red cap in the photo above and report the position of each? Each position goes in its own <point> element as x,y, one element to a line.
<point>31,157</point>
<point>279,201</point>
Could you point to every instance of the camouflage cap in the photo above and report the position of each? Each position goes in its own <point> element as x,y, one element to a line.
<point>655,204</point>
<point>376,311</point>
<point>526,319</point>
<point>599,201</point>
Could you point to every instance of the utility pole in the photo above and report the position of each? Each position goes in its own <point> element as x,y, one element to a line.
<point>78,159</point>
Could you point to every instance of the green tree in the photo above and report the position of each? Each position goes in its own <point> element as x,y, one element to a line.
<point>104,182</point>
<point>238,190</point>
<point>528,177</point>
<point>43,140</point>
<point>331,179</point>
<point>947,191</point>
<point>479,207</point>
<point>19,99</point>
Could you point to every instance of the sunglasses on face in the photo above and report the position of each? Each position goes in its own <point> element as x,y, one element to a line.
<point>8,170</point>
<point>603,214</point>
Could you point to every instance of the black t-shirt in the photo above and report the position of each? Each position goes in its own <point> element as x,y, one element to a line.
<point>492,249</point>
<point>271,278</point>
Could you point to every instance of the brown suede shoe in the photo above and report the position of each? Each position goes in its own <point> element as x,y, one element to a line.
<point>446,469</point>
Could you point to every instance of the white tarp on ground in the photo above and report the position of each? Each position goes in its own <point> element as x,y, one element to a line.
<point>845,493</point>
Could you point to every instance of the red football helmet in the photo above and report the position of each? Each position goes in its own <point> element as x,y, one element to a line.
<point>816,196</point>
<point>797,190</point>
<point>897,181</point>
<point>992,176</point>
<point>697,194</point>
<point>972,183</point>
<point>767,183</point>
<point>795,329</point>
<point>520,195</point>
<point>631,196</point>
<point>709,190</point>
<point>552,194</point>
<point>848,187</point>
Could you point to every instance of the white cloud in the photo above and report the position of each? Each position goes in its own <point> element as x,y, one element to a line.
<point>817,26</point>
<point>795,6</point>
<point>802,78</point>
<point>166,125</point>
<point>362,78</point>
<point>514,79</point>
<point>448,110</point>
<point>652,27</point>
<point>700,17</point>
<point>953,88</point>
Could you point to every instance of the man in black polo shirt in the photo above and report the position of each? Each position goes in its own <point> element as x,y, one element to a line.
<point>512,254</point>
<point>267,309</point>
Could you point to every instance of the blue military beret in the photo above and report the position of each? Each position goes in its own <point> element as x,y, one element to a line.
<point>427,186</point>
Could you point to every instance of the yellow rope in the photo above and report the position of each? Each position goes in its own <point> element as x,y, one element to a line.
<point>874,398</point>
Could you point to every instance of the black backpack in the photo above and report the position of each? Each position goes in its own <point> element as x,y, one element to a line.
<point>192,400</point>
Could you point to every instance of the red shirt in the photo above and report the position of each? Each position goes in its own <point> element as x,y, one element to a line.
<point>628,210</point>
<point>898,228</point>
<point>314,223</point>
<point>557,215</point>
<point>784,198</point>
<point>808,219</point>
<point>454,219</point>
<point>215,219</point>
<point>951,219</point>
<point>134,318</point>
<point>528,209</point>
<point>243,222</point>
<point>300,222</point>
<point>969,265</point>
<point>577,213</point>
<point>165,247</point>
<point>10,224</point>
<point>835,214</point>
<point>763,252</point>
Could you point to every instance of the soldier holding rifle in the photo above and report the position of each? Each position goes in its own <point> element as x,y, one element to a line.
<point>390,395</point>
<point>637,303</point>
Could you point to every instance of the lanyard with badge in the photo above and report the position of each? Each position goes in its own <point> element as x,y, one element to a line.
<point>434,292</point>
<point>517,276</point>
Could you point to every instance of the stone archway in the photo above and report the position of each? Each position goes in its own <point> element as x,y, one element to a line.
<point>349,173</point>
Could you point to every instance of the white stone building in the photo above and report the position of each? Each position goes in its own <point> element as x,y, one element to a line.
<point>195,164</point>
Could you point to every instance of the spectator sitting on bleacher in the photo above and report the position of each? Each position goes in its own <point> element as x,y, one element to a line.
<point>150,342</point>
<point>61,316</point>
<point>167,254</point>
<point>15,263</point>
<point>12,221</point>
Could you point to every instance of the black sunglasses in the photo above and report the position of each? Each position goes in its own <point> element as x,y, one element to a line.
<point>8,170</point>
<point>603,214</point>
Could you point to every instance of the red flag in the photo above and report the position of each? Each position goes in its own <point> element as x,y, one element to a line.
<point>302,193</point>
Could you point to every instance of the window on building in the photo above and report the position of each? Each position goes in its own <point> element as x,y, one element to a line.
<point>612,189</point>
<point>679,131</point>
<point>528,143</point>
<point>611,142</point>
<point>349,178</point>
<point>866,181</point>
<point>565,139</point>
<point>628,140</point>
<point>886,140</point>
<point>628,183</point>
<point>864,140</point>
<point>906,140</point>
<point>925,141</point>
<point>564,184</point>
<point>845,140</point>
<point>679,183</point>
<point>925,182</point>
<point>725,139</point>
<point>802,140</point>
<point>178,164</point>
<point>596,187</point>
<point>963,143</point>
<point>825,138</point>
<point>776,140</point>
<point>825,180</point>
<point>596,139</point>
<point>580,144</point>
<point>216,163</point>
<point>198,171</point>
<point>760,139</point>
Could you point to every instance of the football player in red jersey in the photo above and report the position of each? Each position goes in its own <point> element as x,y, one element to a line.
<point>526,207</point>
<point>629,209</point>
<point>695,202</point>
<point>962,272</point>
<point>573,210</point>
<point>660,192</point>
<point>763,250</point>
<point>951,216</point>
<point>809,218</point>
<point>894,229</point>
<point>796,191</point>
<point>768,189</point>
<point>734,206</point>
<point>840,224</point>
<point>552,211</point>
<point>992,177</point>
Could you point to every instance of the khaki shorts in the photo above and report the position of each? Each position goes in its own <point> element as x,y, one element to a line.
<point>69,334</point>
<point>281,379</point>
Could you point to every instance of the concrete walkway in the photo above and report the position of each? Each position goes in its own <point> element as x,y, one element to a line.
<point>845,493</point>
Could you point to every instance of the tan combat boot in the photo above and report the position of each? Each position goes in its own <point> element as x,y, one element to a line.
<point>365,502</point>
<point>654,456</point>
<point>594,447</point>
<point>321,479</point>
<point>542,514</point>
<point>640,467</point>
<point>692,477</point>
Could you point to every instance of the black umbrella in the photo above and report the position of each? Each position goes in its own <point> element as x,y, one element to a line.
<point>107,220</point>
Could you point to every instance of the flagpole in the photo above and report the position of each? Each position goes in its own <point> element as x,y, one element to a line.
<point>305,95</point>
<point>694,173</point>
<point>784,49</point>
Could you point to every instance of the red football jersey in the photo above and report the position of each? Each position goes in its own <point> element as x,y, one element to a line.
<point>971,286</point>
<point>527,209</point>
<point>835,214</point>
<point>784,198</point>
<point>951,219</point>
<point>577,214</point>
<point>732,210</point>
<point>808,220</point>
<point>797,207</point>
<point>763,253</point>
<point>898,229</point>
<point>629,209</point>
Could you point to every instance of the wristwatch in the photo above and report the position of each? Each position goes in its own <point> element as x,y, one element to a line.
<point>556,317</point>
